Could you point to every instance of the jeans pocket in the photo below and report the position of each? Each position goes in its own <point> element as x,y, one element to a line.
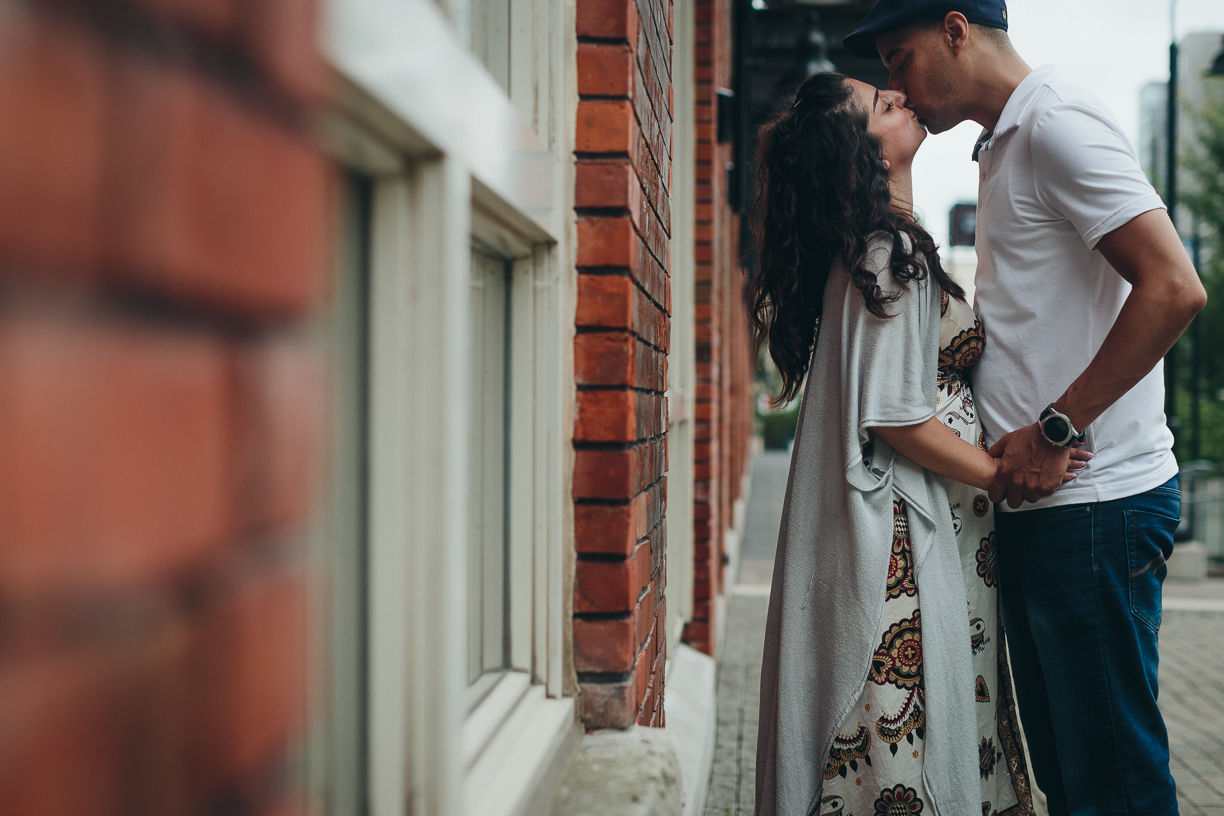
<point>1149,543</point>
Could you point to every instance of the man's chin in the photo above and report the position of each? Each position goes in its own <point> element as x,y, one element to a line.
<point>934,127</point>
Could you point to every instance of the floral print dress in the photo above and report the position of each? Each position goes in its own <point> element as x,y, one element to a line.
<point>875,766</point>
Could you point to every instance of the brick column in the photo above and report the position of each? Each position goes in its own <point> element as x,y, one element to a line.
<point>623,149</point>
<point>716,256</point>
<point>161,226</point>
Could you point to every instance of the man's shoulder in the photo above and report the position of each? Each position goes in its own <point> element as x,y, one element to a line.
<point>1059,105</point>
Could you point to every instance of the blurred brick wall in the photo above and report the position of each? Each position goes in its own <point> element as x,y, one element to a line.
<point>162,220</point>
<point>722,413</point>
<point>623,149</point>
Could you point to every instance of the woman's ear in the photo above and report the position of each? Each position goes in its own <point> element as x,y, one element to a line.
<point>887,166</point>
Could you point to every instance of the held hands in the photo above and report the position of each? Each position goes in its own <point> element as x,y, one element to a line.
<point>1030,468</point>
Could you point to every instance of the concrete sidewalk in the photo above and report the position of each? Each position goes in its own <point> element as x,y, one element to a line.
<point>1191,671</point>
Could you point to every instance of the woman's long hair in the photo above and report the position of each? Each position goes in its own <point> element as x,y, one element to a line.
<point>822,192</point>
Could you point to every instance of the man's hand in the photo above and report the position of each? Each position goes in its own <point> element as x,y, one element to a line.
<point>1030,468</point>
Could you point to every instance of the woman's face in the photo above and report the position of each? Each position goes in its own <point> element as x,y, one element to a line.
<point>891,122</point>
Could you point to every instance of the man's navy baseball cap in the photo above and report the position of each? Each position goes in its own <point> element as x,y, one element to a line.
<point>889,15</point>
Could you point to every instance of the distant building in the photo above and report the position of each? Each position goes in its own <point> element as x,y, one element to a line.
<point>1152,109</point>
<point>1196,52</point>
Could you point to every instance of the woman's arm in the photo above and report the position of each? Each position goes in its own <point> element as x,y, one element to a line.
<point>936,447</point>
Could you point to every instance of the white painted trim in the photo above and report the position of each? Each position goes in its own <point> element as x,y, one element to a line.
<point>483,722</point>
<point>523,440</point>
<point>454,157</point>
<point>336,671</point>
<point>548,496</point>
<point>516,774</point>
<point>389,522</point>
<point>691,703</point>
<point>682,361</point>
<point>407,57</point>
<point>437,423</point>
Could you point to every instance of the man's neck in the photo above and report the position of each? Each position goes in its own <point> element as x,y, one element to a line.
<point>994,87</point>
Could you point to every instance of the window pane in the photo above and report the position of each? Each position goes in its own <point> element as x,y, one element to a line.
<point>488,567</point>
<point>491,38</point>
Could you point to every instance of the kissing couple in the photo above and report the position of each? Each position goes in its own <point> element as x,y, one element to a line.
<point>967,480</point>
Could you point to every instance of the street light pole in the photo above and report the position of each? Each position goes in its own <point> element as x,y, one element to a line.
<point>1196,361</point>
<point>1171,203</point>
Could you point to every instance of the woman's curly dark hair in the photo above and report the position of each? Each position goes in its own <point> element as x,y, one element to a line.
<point>822,192</point>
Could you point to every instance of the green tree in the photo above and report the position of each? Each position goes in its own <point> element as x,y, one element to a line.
<point>1204,198</point>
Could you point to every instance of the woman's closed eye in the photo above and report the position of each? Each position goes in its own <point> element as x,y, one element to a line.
<point>890,107</point>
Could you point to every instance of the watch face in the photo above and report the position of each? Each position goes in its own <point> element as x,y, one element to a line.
<point>1056,429</point>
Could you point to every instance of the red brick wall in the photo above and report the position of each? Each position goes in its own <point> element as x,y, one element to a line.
<point>623,148</point>
<point>161,227</point>
<point>722,414</point>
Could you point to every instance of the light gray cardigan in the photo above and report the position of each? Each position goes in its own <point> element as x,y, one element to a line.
<point>827,603</point>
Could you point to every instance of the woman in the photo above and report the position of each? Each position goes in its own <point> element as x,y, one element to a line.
<point>884,689</point>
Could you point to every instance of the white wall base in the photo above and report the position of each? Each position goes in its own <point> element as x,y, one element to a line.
<point>691,705</point>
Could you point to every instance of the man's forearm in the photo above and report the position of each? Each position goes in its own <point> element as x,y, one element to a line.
<point>1165,297</point>
<point>1143,332</point>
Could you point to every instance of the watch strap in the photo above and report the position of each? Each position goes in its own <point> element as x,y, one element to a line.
<point>1073,435</point>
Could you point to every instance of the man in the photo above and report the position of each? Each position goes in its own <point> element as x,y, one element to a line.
<point>1082,285</point>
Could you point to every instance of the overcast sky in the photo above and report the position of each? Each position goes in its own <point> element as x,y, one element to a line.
<point>1111,47</point>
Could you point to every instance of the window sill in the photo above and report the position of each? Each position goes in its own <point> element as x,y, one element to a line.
<point>516,745</point>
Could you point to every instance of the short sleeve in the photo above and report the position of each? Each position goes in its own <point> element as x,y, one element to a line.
<point>890,363</point>
<point>1086,171</point>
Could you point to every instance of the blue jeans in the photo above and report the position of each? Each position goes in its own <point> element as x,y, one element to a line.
<point>1081,595</point>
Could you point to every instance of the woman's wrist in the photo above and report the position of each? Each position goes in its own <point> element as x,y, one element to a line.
<point>987,467</point>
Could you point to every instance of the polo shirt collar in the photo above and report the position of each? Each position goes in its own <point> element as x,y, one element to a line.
<point>1016,105</point>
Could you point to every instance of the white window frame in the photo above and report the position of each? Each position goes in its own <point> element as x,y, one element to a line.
<point>682,360</point>
<point>454,158</point>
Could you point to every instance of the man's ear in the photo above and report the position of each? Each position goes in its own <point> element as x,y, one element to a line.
<point>954,33</point>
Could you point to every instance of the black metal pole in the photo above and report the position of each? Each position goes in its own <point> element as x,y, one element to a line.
<point>1171,203</point>
<point>1196,371</point>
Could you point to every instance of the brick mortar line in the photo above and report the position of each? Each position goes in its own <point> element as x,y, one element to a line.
<point>648,392</point>
<point>132,612</point>
<point>137,31</point>
<point>627,272</point>
<point>641,130</point>
<point>622,502</point>
<point>627,157</point>
<point>621,446</point>
<point>102,302</point>
<point>599,329</point>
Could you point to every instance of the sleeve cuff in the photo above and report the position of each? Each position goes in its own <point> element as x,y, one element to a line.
<point>1121,217</point>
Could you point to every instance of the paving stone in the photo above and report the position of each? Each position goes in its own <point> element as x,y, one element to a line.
<point>1191,670</point>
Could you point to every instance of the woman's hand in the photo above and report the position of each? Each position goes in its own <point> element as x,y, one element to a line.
<point>1030,468</point>
<point>1078,461</point>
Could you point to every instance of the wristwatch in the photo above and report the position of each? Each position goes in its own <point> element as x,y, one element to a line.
<point>1057,429</point>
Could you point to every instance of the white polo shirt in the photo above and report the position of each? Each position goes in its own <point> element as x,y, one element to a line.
<point>1056,176</point>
